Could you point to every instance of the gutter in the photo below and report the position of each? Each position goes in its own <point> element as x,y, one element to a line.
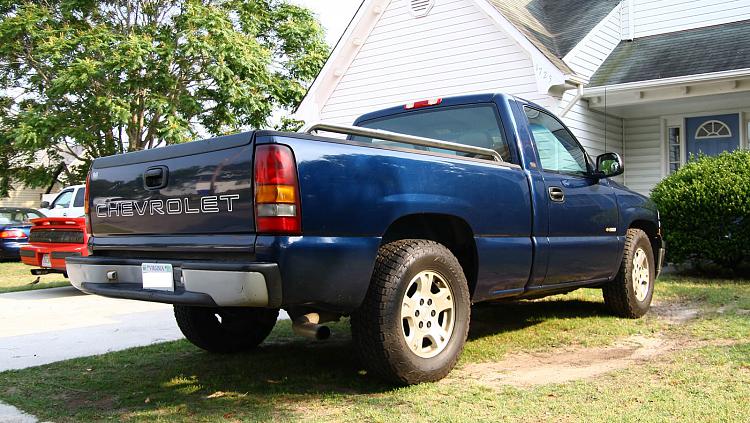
<point>667,82</point>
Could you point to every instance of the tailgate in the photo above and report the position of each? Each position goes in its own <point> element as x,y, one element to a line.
<point>202,187</point>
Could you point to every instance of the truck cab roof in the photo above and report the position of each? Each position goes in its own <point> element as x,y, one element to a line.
<point>445,101</point>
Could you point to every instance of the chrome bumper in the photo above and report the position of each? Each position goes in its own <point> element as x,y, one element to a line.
<point>195,283</point>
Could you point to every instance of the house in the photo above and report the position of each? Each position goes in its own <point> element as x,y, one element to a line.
<point>653,80</point>
<point>23,197</point>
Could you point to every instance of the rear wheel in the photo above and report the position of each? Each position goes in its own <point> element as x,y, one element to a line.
<point>629,294</point>
<point>414,321</point>
<point>225,329</point>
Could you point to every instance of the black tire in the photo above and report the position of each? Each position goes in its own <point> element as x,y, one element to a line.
<point>225,330</point>
<point>620,294</point>
<point>378,330</point>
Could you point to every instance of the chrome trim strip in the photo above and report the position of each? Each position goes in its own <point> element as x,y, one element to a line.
<point>397,137</point>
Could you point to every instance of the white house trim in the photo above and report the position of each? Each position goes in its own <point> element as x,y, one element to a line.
<point>341,58</point>
<point>583,48</point>
<point>663,82</point>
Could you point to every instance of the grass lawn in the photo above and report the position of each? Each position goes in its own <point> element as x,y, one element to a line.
<point>699,371</point>
<point>15,276</point>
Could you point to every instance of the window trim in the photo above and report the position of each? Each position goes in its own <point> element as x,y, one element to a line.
<point>589,168</point>
<point>710,137</point>
<point>680,143</point>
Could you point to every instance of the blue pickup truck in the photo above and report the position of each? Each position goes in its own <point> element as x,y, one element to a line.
<point>401,222</point>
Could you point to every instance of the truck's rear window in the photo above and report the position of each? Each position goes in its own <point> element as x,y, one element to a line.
<point>470,125</point>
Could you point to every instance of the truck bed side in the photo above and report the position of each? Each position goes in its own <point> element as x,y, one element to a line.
<point>354,195</point>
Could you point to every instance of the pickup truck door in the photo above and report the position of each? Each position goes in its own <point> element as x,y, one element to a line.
<point>583,215</point>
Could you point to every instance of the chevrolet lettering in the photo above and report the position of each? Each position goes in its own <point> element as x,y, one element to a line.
<point>172,206</point>
<point>400,223</point>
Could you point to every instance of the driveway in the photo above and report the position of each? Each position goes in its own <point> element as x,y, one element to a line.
<point>43,326</point>
<point>48,325</point>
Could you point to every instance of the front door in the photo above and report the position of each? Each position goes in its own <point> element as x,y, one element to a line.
<point>712,135</point>
<point>583,215</point>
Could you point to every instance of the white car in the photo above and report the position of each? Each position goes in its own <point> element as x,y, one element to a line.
<point>67,203</point>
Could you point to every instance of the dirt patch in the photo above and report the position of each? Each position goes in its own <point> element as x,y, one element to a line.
<point>530,369</point>
<point>568,364</point>
<point>675,313</point>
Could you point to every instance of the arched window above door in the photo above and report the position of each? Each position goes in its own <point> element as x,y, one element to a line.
<point>713,129</point>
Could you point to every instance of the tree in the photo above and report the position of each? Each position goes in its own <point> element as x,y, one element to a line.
<point>85,78</point>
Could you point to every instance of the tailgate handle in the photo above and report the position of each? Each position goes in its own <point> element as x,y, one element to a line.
<point>155,177</point>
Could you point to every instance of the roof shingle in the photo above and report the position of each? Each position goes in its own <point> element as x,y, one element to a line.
<point>555,26</point>
<point>691,52</point>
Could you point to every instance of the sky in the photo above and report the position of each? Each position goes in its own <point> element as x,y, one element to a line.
<point>334,15</point>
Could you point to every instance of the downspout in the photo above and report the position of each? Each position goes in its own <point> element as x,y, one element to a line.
<point>573,101</point>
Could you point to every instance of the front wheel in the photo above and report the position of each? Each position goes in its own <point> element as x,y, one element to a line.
<point>414,321</point>
<point>629,294</point>
<point>225,329</point>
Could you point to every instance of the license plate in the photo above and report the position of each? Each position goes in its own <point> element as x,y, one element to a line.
<point>157,276</point>
<point>46,262</point>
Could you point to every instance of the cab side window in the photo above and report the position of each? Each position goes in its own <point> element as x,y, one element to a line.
<point>80,195</point>
<point>475,125</point>
<point>63,200</point>
<point>558,149</point>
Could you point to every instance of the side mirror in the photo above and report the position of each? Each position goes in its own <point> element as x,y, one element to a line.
<point>609,165</point>
<point>44,205</point>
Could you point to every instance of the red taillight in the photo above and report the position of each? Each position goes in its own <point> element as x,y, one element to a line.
<point>12,234</point>
<point>276,190</point>
<point>423,103</point>
<point>86,203</point>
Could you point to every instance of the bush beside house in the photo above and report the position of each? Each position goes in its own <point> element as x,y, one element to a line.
<point>705,210</point>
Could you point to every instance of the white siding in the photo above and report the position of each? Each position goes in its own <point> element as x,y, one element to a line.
<point>594,49</point>
<point>643,154</point>
<point>22,197</point>
<point>589,126</point>
<point>661,16</point>
<point>625,20</point>
<point>454,50</point>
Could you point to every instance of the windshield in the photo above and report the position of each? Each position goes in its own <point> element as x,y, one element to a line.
<point>476,125</point>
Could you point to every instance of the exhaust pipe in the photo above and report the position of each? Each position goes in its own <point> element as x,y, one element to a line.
<point>308,326</point>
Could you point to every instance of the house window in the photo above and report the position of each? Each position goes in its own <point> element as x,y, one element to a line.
<point>674,149</point>
<point>713,129</point>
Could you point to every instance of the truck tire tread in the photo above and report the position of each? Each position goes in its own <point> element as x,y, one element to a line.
<point>618,295</point>
<point>202,328</point>
<point>370,329</point>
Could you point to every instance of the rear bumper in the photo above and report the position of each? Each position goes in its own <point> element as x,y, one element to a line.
<point>196,283</point>
<point>10,249</point>
<point>32,254</point>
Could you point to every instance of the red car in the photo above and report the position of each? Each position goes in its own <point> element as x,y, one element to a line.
<point>52,240</point>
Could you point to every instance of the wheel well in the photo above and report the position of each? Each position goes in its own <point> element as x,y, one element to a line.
<point>451,231</point>
<point>650,229</point>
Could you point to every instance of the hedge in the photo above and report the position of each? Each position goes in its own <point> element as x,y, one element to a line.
<point>705,210</point>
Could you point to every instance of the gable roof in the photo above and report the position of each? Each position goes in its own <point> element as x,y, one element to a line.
<point>555,26</point>
<point>696,51</point>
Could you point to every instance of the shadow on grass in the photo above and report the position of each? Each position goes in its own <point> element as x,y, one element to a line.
<point>284,377</point>
<point>490,319</point>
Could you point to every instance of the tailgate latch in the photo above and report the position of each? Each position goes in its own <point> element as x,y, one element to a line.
<point>155,177</point>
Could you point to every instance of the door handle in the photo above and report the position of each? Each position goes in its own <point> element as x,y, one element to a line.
<point>155,177</point>
<point>556,194</point>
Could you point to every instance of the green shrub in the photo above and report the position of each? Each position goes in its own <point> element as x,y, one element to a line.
<point>705,210</point>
